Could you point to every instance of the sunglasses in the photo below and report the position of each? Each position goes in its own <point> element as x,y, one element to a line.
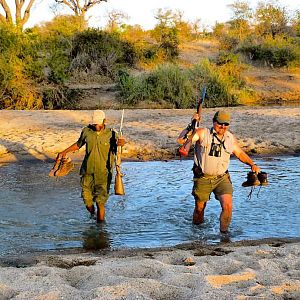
<point>225,124</point>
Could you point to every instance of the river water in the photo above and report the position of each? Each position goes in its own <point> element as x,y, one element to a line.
<point>41,213</point>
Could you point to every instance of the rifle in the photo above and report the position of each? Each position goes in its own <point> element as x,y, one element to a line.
<point>119,186</point>
<point>190,129</point>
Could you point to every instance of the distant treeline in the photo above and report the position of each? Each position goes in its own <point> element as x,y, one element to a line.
<point>38,64</point>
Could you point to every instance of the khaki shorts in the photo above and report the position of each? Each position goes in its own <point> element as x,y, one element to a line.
<point>204,186</point>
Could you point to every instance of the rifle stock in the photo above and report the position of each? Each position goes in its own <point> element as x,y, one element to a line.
<point>119,186</point>
<point>185,148</point>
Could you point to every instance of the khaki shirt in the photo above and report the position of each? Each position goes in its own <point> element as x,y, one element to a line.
<point>212,165</point>
<point>100,150</point>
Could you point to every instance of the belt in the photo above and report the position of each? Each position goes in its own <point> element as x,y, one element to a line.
<point>212,177</point>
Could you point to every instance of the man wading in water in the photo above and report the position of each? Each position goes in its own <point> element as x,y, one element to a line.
<point>211,161</point>
<point>97,167</point>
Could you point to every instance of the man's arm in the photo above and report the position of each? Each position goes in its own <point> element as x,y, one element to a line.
<point>185,132</point>
<point>198,135</point>
<point>72,148</point>
<point>244,157</point>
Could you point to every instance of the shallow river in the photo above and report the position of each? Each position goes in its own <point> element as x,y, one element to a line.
<point>41,213</point>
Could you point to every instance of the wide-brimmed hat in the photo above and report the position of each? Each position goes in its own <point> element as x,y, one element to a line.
<point>222,116</point>
<point>98,117</point>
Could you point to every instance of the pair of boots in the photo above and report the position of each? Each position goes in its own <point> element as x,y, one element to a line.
<point>254,179</point>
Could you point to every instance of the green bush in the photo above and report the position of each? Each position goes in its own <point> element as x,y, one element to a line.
<point>18,89</point>
<point>60,97</point>
<point>166,84</point>
<point>181,88</point>
<point>277,52</point>
<point>226,57</point>
<point>220,86</point>
<point>105,50</point>
<point>167,40</point>
<point>59,64</point>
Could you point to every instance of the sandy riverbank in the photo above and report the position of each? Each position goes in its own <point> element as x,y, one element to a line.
<point>150,134</point>
<point>267,269</point>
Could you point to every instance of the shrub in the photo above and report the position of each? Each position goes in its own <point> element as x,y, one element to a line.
<point>165,84</point>
<point>226,57</point>
<point>107,51</point>
<point>277,52</point>
<point>221,84</point>
<point>60,97</point>
<point>18,90</point>
<point>181,88</point>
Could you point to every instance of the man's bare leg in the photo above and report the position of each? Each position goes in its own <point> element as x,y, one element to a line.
<point>198,216</point>
<point>100,213</point>
<point>225,216</point>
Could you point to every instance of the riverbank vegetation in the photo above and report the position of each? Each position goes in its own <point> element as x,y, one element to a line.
<point>39,65</point>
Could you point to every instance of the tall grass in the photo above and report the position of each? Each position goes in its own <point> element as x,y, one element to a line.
<point>166,84</point>
<point>180,88</point>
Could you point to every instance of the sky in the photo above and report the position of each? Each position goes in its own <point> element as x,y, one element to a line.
<point>142,11</point>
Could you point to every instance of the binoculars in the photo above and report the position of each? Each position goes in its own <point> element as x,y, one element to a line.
<point>215,150</point>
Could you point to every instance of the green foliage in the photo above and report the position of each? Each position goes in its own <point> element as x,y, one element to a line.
<point>276,52</point>
<point>180,88</point>
<point>170,42</point>
<point>106,51</point>
<point>18,90</point>
<point>60,97</point>
<point>228,42</point>
<point>271,18</point>
<point>63,25</point>
<point>220,86</point>
<point>165,84</point>
<point>226,57</point>
<point>166,33</point>
<point>59,64</point>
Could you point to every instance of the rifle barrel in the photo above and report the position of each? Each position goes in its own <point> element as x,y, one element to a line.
<point>121,126</point>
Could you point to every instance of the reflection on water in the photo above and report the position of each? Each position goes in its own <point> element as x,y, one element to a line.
<point>42,213</point>
<point>95,238</point>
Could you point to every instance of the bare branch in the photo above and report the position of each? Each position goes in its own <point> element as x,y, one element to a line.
<point>8,15</point>
<point>80,7</point>
<point>27,12</point>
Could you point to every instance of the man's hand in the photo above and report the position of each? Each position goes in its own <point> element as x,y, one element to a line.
<point>121,142</point>
<point>255,168</point>
<point>196,117</point>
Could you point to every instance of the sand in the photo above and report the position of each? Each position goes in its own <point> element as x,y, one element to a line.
<point>267,269</point>
<point>150,134</point>
<point>249,270</point>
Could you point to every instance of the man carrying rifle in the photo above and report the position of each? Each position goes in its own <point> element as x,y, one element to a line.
<point>96,171</point>
<point>213,148</point>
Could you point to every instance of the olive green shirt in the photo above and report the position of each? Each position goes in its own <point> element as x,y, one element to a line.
<point>100,150</point>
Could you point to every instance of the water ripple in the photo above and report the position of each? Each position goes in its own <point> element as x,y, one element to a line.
<point>39,213</point>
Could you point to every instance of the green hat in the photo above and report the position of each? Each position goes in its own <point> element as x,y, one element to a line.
<point>222,116</point>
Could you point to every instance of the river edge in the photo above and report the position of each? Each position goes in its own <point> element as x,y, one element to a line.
<point>23,260</point>
<point>259,269</point>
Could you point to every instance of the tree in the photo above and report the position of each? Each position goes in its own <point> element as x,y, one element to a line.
<point>116,19</point>
<point>296,23</point>
<point>79,7</point>
<point>22,13</point>
<point>166,33</point>
<point>271,18</point>
<point>242,15</point>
